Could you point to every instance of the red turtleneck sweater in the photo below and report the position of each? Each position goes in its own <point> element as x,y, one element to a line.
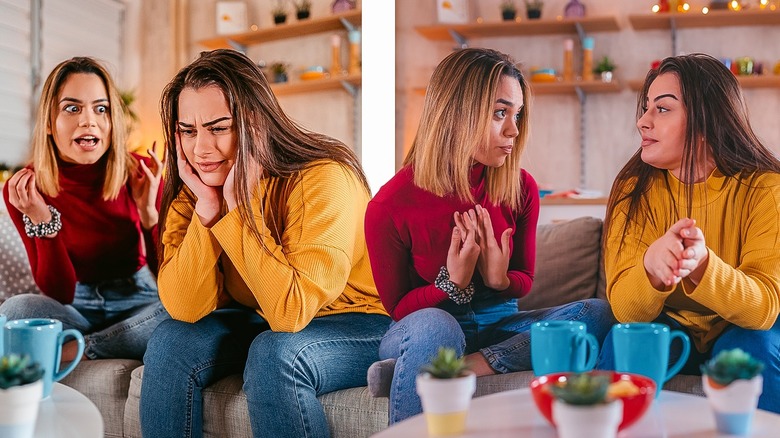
<point>408,233</point>
<point>100,240</point>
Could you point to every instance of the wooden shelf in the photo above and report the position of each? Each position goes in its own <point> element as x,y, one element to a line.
<point>286,30</point>
<point>309,86</point>
<point>547,200</point>
<point>718,18</point>
<point>441,32</point>
<point>754,81</point>
<point>540,88</point>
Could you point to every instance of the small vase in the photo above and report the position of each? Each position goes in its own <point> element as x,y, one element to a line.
<point>339,6</point>
<point>302,15</point>
<point>508,15</point>
<point>280,78</point>
<point>573,9</point>
<point>592,421</point>
<point>534,14</point>
<point>279,19</point>
<point>19,409</point>
<point>606,76</point>
<point>734,405</point>
<point>446,402</point>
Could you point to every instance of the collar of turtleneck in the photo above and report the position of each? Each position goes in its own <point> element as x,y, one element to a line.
<point>477,174</point>
<point>83,174</point>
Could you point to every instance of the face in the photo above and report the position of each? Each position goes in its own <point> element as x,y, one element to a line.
<point>503,123</point>
<point>81,119</point>
<point>663,125</point>
<point>206,131</point>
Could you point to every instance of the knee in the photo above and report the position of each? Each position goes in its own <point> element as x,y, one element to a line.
<point>428,329</point>
<point>598,316</point>
<point>25,306</point>
<point>171,337</point>
<point>761,344</point>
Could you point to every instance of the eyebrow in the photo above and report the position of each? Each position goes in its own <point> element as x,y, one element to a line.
<point>73,99</point>
<point>657,98</point>
<point>506,102</point>
<point>207,124</point>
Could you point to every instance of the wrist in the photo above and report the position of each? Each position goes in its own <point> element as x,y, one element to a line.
<point>48,228</point>
<point>457,294</point>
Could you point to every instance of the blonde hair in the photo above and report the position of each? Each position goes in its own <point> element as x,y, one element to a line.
<point>455,123</point>
<point>44,150</point>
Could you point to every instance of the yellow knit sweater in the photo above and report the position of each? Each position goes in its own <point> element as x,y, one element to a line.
<point>315,264</point>
<point>741,284</point>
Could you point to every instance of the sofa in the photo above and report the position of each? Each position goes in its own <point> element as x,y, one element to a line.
<point>567,269</point>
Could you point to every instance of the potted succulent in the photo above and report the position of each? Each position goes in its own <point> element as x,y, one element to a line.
<point>605,67</point>
<point>279,12</point>
<point>732,382</point>
<point>582,407</point>
<point>445,387</point>
<point>508,10</point>
<point>279,72</point>
<point>302,9</point>
<point>533,9</point>
<point>21,389</point>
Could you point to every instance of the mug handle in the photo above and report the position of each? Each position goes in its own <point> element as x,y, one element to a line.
<point>686,351</point>
<point>59,375</point>
<point>593,352</point>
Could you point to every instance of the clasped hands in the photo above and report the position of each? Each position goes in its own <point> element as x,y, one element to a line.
<point>680,253</point>
<point>473,245</point>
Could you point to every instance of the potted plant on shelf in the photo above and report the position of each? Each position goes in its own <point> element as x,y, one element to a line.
<point>21,389</point>
<point>732,382</point>
<point>605,68</point>
<point>302,9</point>
<point>533,9</point>
<point>582,408</point>
<point>445,387</point>
<point>279,12</point>
<point>508,10</point>
<point>278,72</point>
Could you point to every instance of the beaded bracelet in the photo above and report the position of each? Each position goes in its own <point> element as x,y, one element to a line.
<point>43,229</point>
<point>456,294</point>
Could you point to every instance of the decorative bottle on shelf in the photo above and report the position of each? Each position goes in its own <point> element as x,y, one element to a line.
<point>354,52</point>
<point>574,8</point>
<point>335,60</point>
<point>568,60</point>
<point>342,6</point>
<point>587,59</point>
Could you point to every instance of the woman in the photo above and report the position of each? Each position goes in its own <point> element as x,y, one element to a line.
<point>452,236</point>
<point>86,210</point>
<point>264,265</point>
<point>693,225</point>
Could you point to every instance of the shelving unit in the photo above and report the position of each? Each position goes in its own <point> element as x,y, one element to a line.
<point>351,83</point>
<point>547,88</point>
<point>764,81</point>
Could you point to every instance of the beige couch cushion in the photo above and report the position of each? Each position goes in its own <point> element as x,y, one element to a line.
<point>567,263</point>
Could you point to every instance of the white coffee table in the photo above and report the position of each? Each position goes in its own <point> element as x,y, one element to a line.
<point>68,413</point>
<point>514,414</point>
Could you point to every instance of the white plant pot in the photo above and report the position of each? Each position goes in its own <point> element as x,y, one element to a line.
<point>19,409</point>
<point>592,421</point>
<point>734,404</point>
<point>606,76</point>
<point>446,402</point>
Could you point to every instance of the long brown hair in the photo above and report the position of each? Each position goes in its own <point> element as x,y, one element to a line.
<point>265,135</point>
<point>716,116</point>
<point>455,123</point>
<point>44,150</point>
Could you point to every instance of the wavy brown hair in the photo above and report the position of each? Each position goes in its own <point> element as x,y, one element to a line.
<point>455,122</point>
<point>716,116</point>
<point>266,137</point>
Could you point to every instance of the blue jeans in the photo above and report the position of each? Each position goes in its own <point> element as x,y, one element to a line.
<point>764,345</point>
<point>283,372</point>
<point>491,326</point>
<point>116,317</point>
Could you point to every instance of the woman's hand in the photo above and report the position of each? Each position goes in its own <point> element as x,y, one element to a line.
<point>464,250</point>
<point>145,183</point>
<point>695,257</point>
<point>209,203</point>
<point>663,260</point>
<point>23,195</point>
<point>493,262</point>
<point>229,189</point>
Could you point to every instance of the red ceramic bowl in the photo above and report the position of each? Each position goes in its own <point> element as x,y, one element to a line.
<point>633,406</point>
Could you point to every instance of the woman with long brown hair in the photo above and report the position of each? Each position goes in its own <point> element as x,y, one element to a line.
<point>264,267</point>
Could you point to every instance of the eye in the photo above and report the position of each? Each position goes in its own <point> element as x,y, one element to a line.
<point>101,109</point>
<point>219,129</point>
<point>517,116</point>
<point>187,132</point>
<point>500,114</point>
<point>71,109</point>
<point>662,109</point>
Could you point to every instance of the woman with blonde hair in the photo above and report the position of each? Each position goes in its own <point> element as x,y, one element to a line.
<point>452,236</point>
<point>264,264</point>
<point>86,210</point>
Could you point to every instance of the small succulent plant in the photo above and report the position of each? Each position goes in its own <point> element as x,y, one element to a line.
<point>605,64</point>
<point>731,365</point>
<point>534,5</point>
<point>446,364</point>
<point>508,6</point>
<point>18,370</point>
<point>582,389</point>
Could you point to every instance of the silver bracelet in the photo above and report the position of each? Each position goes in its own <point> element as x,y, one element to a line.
<point>43,229</point>
<point>456,294</point>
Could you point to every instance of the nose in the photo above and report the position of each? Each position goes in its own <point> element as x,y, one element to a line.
<point>510,128</point>
<point>202,144</point>
<point>87,120</point>
<point>644,121</point>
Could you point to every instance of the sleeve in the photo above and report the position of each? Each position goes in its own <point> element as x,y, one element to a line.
<point>391,264</point>
<point>50,263</point>
<point>308,268</point>
<point>629,291</point>
<point>747,295</point>
<point>189,281</point>
<point>523,259</point>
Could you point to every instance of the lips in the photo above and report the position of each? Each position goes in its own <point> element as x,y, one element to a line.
<point>506,149</point>
<point>209,166</point>
<point>87,142</point>
<point>647,141</point>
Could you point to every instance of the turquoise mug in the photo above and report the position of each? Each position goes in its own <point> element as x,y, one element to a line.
<point>562,346</point>
<point>643,348</point>
<point>42,339</point>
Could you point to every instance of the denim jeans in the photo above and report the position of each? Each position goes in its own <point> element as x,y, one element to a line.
<point>491,326</point>
<point>283,372</point>
<point>764,345</point>
<point>116,317</point>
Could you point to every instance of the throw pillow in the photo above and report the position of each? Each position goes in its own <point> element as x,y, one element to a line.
<point>15,275</point>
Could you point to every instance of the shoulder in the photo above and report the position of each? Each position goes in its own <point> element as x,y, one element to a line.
<point>528,183</point>
<point>400,184</point>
